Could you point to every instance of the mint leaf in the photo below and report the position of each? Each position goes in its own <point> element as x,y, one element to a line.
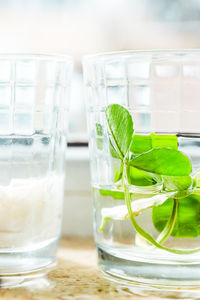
<point>164,141</point>
<point>163,161</point>
<point>99,138</point>
<point>121,128</point>
<point>180,183</point>
<point>139,178</point>
<point>144,143</point>
<point>117,195</point>
<point>187,223</point>
<point>197,180</point>
<point>141,143</point>
<point>113,152</point>
<point>99,129</point>
<point>118,173</point>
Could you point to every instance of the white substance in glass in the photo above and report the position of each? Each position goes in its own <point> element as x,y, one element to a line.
<point>30,210</point>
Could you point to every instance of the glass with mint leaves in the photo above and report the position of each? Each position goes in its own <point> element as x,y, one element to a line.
<point>144,137</point>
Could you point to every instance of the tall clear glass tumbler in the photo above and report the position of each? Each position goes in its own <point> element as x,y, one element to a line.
<point>144,134</point>
<point>34,98</point>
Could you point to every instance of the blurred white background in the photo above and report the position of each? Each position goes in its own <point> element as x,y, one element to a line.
<point>80,27</point>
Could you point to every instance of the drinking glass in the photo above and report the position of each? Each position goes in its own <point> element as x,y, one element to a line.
<point>144,139</point>
<point>34,98</point>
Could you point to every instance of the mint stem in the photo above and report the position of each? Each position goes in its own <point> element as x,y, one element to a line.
<point>104,222</point>
<point>140,230</point>
<point>170,224</point>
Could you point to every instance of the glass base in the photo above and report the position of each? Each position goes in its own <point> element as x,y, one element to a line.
<point>151,279</point>
<point>27,266</point>
<point>31,281</point>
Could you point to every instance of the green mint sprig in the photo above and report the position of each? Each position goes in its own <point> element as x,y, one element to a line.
<point>166,162</point>
<point>188,218</point>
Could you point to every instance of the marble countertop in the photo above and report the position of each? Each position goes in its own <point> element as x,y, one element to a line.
<point>76,276</point>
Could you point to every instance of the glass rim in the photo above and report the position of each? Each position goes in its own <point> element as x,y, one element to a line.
<point>37,56</point>
<point>161,53</point>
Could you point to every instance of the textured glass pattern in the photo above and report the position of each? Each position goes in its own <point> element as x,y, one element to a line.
<point>34,98</point>
<point>33,108</point>
<point>159,116</point>
<point>141,80</point>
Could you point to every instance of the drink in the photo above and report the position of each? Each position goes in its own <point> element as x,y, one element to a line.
<point>33,108</point>
<point>145,166</point>
<point>30,206</point>
<point>115,236</point>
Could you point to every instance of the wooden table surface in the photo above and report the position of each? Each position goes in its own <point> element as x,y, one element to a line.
<point>76,276</point>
